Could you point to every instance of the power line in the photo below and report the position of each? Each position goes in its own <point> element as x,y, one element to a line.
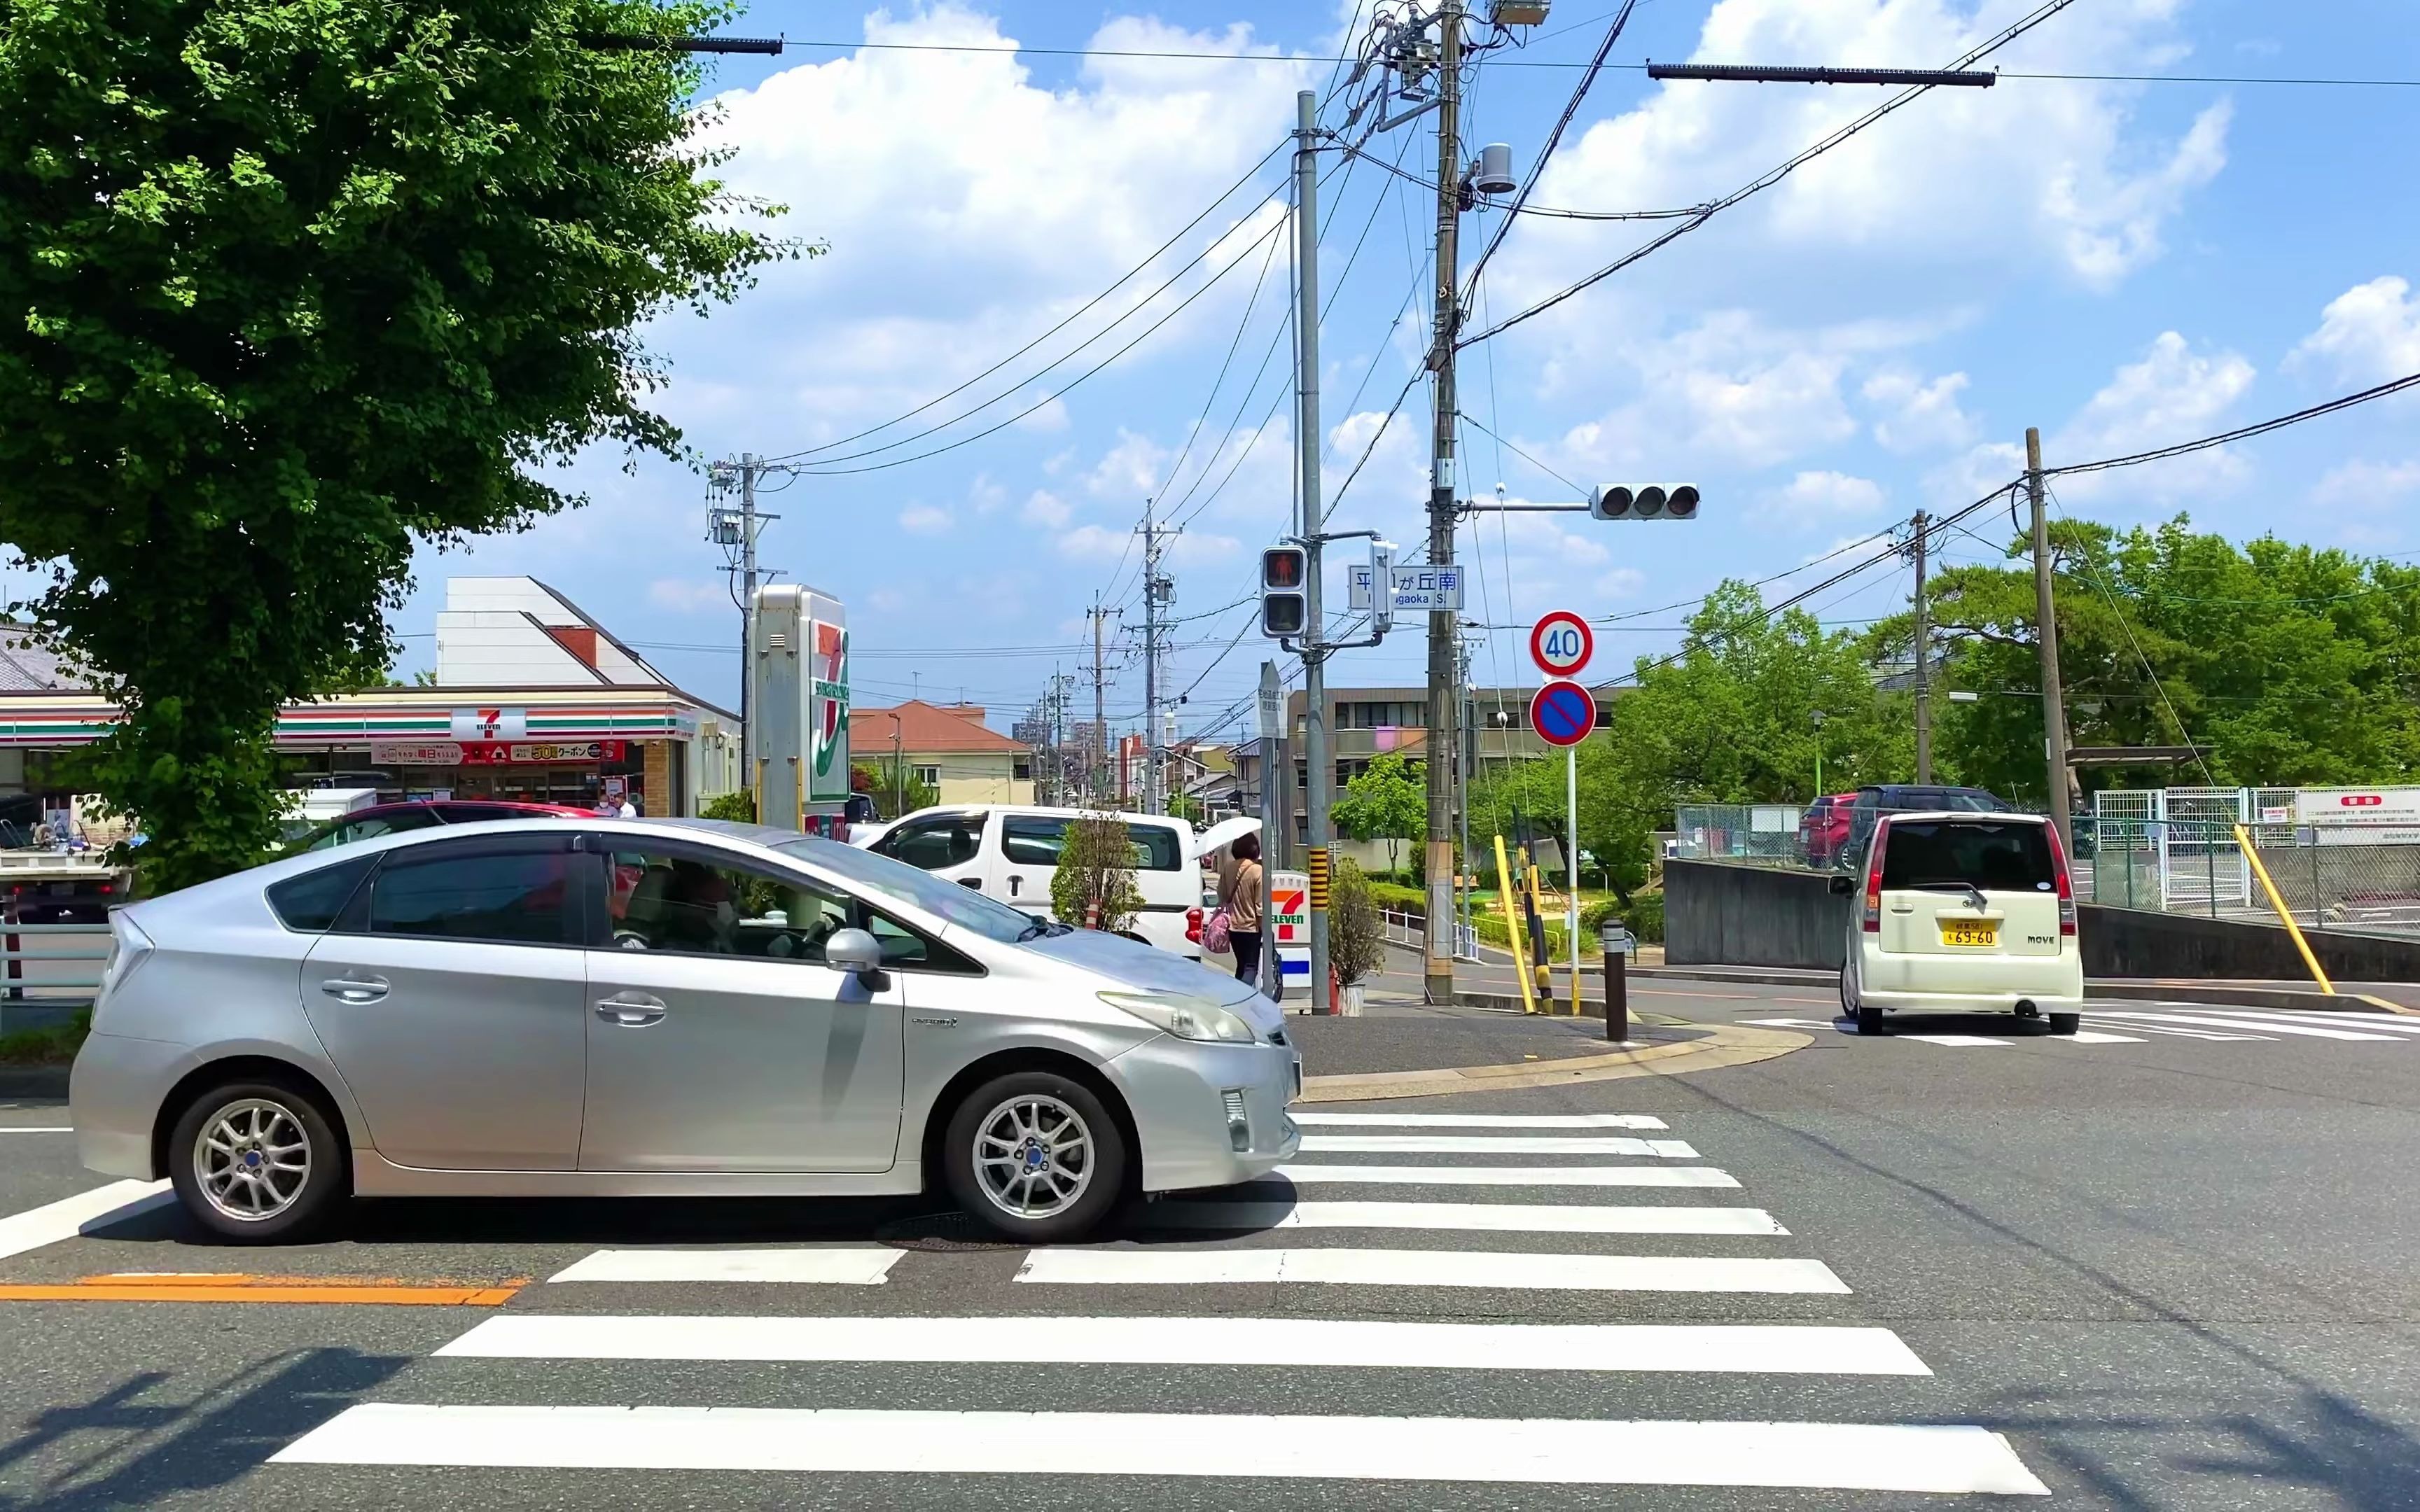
<point>1553,139</point>
<point>1771,176</point>
<point>2241,432</point>
<point>1294,59</point>
<point>1156,252</point>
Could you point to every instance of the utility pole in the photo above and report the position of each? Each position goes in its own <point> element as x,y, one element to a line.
<point>1313,526</point>
<point>1096,751</point>
<point>1155,589</point>
<point>2046,630</point>
<point>1437,942</point>
<point>1923,662</point>
<point>735,530</point>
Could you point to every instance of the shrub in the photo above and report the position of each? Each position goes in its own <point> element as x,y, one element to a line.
<point>1096,872</point>
<point>737,807</point>
<point>1356,937</point>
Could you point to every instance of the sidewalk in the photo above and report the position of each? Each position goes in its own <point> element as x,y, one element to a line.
<point>1493,984</point>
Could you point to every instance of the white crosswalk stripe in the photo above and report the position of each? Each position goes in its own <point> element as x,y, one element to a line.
<point>1490,1217</point>
<point>2211,1020</point>
<point>1682,1176</point>
<point>1198,1259</point>
<point>2217,1026</point>
<point>1613,1146</point>
<point>1830,1455</point>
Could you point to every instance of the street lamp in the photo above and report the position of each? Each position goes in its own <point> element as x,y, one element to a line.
<point>1820,718</point>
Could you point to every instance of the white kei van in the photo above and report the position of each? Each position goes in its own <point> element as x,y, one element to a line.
<point>1011,853</point>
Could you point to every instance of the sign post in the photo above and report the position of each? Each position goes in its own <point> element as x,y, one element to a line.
<point>1562,714</point>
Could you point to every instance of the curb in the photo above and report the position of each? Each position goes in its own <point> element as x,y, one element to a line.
<point>2214,994</point>
<point>34,1081</point>
<point>1723,1046</point>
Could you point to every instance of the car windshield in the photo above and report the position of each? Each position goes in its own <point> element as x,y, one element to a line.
<point>1946,853</point>
<point>962,907</point>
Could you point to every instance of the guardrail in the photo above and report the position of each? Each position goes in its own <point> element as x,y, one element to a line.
<point>35,970</point>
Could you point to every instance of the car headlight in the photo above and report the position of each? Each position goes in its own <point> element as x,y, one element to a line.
<point>1187,1018</point>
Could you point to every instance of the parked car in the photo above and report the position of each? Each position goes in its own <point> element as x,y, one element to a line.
<point>1012,854</point>
<point>401,818</point>
<point>652,1008</point>
<point>1824,827</point>
<point>1962,913</point>
<point>1876,799</point>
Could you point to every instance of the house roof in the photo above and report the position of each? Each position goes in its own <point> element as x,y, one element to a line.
<point>921,728</point>
<point>27,662</point>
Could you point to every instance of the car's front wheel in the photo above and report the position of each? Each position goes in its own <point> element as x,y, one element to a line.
<point>1036,1156</point>
<point>256,1161</point>
<point>2066,1023</point>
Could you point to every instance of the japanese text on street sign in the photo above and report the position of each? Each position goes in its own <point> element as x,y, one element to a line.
<point>1418,590</point>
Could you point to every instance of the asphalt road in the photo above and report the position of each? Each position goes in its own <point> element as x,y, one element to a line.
<point>2147,1270</point>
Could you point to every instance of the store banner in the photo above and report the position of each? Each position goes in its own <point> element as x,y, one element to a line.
<point>415,753</point>
<point>541,753</point>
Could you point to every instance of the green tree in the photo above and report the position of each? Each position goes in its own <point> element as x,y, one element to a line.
<point>1387,801</point>
<point>2285,664</point>
<point>1094,884</point>
<point>893,785</point>
<point>292,286</point>
<point>1357,940</point>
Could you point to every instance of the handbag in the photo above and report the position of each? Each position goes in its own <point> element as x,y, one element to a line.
<point>1215,938</point>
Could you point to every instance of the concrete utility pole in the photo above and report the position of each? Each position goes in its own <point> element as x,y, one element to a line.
<point>1923,662</point>
<point>1313,525</point>
<point>1275,818</point>
<point>1096,751</point>
<point>1437,940</point>
<point>2046,629</point>
<point>1153,756</point>
<point>735,530</point>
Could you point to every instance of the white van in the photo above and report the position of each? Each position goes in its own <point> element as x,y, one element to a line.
<point>1011,853</point>
<point>1962,911</point>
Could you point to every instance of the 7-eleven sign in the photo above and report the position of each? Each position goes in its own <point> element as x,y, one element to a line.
<point>1290,908</point>
<point>490,724</point>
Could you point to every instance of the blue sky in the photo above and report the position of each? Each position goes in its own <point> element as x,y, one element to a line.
<point>2120,264</point>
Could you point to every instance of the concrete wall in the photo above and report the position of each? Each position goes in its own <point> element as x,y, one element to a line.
<point>2129,942</point>
<point>1751,916</point>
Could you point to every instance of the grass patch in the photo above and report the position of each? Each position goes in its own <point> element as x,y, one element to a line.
<point>47,1046</point>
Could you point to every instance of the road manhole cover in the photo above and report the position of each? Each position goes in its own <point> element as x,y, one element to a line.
<point>945,1232</point>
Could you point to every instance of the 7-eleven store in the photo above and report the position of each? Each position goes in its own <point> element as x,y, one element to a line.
<point>555,710</point>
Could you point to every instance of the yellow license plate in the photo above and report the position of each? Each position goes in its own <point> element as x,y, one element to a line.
<point>1969,933</point>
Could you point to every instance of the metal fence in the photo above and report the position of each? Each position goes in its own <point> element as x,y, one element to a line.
<point>2359,878</point>
<point>51,970</point>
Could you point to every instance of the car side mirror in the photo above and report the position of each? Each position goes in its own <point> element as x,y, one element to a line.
<point>853,950</point>
<point>1842,886</point>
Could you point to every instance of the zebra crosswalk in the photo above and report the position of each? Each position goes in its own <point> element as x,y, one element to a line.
<point>2151,1023</point>
<point>1420,1306</point>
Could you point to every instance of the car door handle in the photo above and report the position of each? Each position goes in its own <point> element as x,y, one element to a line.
<point>630,1010</point>
<point>355,989</point>
<point>975,883</point>
<point>1016,885</point>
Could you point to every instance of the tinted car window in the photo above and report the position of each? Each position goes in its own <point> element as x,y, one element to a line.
<point>1031,840</point>
<point>313,901</point>
<point>677,903</point>
<point>933,843</point>
<point>346,831</point>
<point>882,875</point>
<point>2011,857</point>
<point>522,898</point>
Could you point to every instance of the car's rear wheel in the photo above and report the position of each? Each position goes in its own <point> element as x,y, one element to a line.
<point>1869,1018</point>
<point>1036,1156</point>
<point>256,1161</point>
<point>2066,1023</point>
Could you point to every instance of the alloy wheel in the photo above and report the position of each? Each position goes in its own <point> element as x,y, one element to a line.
<point>1034,1156</point>
<point>252,1159</point>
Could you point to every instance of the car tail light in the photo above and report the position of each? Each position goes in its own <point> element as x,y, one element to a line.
<point>2065,882</point>
<point>1193,925</point>
<point>1873,921</point>
<point>129,947</point>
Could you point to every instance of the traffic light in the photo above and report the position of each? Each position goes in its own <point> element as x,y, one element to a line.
<point>1615,500</point>
<point>1282,613</point>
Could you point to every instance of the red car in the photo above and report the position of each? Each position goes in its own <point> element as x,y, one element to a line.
<point>1823,828</point>
<point>394,818</point>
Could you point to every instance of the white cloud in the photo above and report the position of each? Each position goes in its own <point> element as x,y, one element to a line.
<point>984,496</point>
<point>1729,385</point>
<point>1827,494</point>
<point>2368,334</point>
<point>1044,508</point>
<point>1962,177</point>
<point>2173,395</point>
<point>1621,582</point>
<point>1096,543</point>
<point>1131,471</point>
<point>926,519</point>
<point>2360,485</point>
<point>1918,416</point>
<point>688,595</point>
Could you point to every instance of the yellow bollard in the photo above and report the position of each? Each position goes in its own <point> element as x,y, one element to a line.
<point>1512,927</point>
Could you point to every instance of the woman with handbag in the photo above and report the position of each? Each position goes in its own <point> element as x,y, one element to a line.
<point>1239,906</point>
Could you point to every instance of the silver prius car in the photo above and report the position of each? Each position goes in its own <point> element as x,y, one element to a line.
<point>658,1008</point>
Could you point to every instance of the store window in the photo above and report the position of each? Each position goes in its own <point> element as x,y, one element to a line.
<point>929,775</point>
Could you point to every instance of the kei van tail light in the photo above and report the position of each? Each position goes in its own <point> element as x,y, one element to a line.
<point>1874,919</point>
<point>1193,925</point>
<point>2065,882</point>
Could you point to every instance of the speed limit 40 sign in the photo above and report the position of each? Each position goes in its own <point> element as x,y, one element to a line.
<point>1562,643</point>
